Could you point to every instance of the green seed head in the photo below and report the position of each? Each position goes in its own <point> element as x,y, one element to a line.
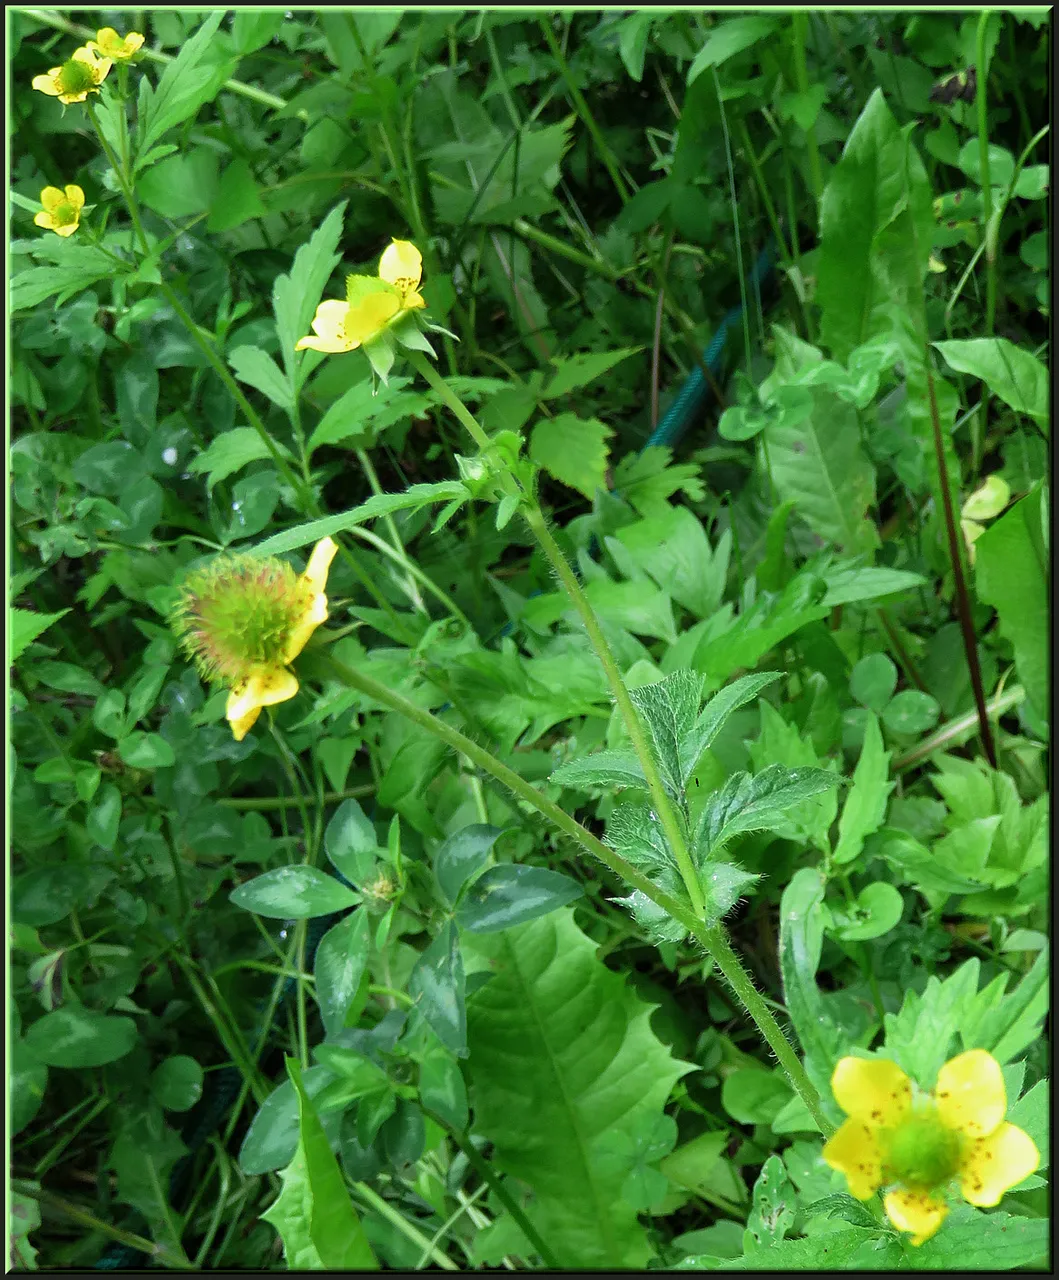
<point>236,614</point>
<point>76,76</point>
<point>922,1153</point>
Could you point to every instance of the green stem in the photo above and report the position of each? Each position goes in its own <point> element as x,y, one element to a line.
<point>263,804</point>
<point>800,23</point>
<point>486,1173</point>
<point>990,232</point>
<point>392,1215</point>
<point>949,734</point>
<point>713,940</point>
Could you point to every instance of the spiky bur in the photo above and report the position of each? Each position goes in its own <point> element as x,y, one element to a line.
<point>236,615</point>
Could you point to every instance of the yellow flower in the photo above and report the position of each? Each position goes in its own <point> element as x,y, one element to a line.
<point>916,1143</point>
<point>62,209</point>
<point>111,45</point>
<point>371,305</point>
<point>82,73</point>
<point>244,619</point>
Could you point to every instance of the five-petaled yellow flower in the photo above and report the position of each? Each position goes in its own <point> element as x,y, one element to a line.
<point>371,305</point>
<point>118,48</point>
<point>81,74</point>
<point>917,1143</point>
<point>62,209</point>
<point>244,619</point>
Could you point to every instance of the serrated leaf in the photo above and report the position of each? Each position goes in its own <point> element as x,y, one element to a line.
<point>183,88</point>
<point>714,714</point>
<point>1014,1023</point>
<point>581,368</point>
<point>561,1046</point>
<point>602,770</point>
<point>79,267</point>
<point>865,806</point>
<point>26,626</point>
<point>257,368</point>
<point>756,802</point>
<point>416,496</point>
<point>229,453</point>
<point>573,450</point>
<point>669,707</point>
<point>295,296</point>
<point>314,1215</point>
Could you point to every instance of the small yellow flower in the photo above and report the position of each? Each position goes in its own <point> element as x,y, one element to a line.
<point>118,48</point>
<point>371,305</point>
<point>917,1143</point>
<point>81,74</point>
<point>62,209</point>
<point>244,619</point>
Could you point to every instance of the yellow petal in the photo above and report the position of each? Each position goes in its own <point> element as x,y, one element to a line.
<point>52,197</point>
<point>915,1211</point>
<point>331,346</point>
<point>263,689</point>
<point>315,574</point>
<point>74,196</point>
<point>242,726</point>
<point>329,326</point>
<point>133,42</point>
<point>873,1090</point>
<point>413,301</point>
<point>401,265</point>
<point>970,1093</point>
<point>997,1163</point>
<point>68,230</point>
<point>370,315</point>
<point>46,84</point>
<point>305,626</point>
<point>854,1151</point>
<point>44,219</point>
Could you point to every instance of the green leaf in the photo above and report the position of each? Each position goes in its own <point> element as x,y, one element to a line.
<point>753,1095</point>
<point>295,296</point>
<point>1014,1022</point>
<point>638,608</point>
<point>442,1088</point>
<point>511,894</point>
<point>873,681</point>
<point>581,368</point>
<point>573,450</point>
<point>146,751</point>
<point>911,712</point>
<point>438,988</point>
<point>187,83</point>
<point>633,33</point>
<point>877,908</point>
<point>756,803</point>
<point>729,38</point>
<point>176,1083</point>
<point>351,843</point>
<point>26,626</point>
<point>865,806</point>
<point>775,1203</point>
<point>463,853</point>
<point>715,714</point>
<point>851,1248</point>
<point>602,770</point>
<point>181,185</point>
<point>229,453</point>
<point>820,465</point>
<point>76,1037</point>
<point>671,547</point>
<point>362,412</point>
<point>237,199</point>
<point>1016,376</point>
<point>1011,574</point>
<point>260,371</point>
<point>849,584</point>
<point>314,1214</point>
<point>919,1038</point>
<point>994,1241</point>
<point>293,893</point>
<point>670,706</point>
<point>561,1046</point>
<point>415,497</point>
<point>27,1082</point>
<point>79,267</point>
<point>252,31</point>
<point>143,1157</point>
<point>272,1139</point>
<point>341,959</point>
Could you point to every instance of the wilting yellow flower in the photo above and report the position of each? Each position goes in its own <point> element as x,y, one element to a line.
<point>917,1143</point>
<point>62,209</point>
<point>243,619</point>
<point>111,45</point>
<point>987,501</point>
<point>81,74</point>
<point>371,305</point>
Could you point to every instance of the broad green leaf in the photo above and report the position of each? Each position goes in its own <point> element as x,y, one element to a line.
<point>716,712</point>
<point>144,1157</point>
<point>573,450</point>
<point>176,1083</point>
<point>1016,376</point>
<point>581,368</point>
<point>27,1081</point>
<point>633,34</point>
<point>77,1037</point>
<point>851,584</point>
<point>911,711</point>
<point>314,1214</point>
<point>437,987</point>
<point>1012,573</point>
<point>753,1095</point>
<point>463,853</point>
<point>26,626</point>
<point>820,465</point>
<point>416,496</point>
<point>257,368</point>
<point>187,82</point>
<point>1014,1021</point>
<point>237,198</point>
<point>293,893</point>
<point>848,1249</point>
<point>775,1204</point>
<point>728,38</point>
<point>78,267</point>
<point>671,547</point>
<point>362,413</point>
<point>442,1088</point>
<point>23,1218</point>
<point>920,1038</point>
<point>802,917</point>
<point>295,296</point>
<point>602,770</point>
<point>350,842</point>
<point>511,894</point>
<point>338,968</point>
<point>229,453</point>
<point>873,681</point>
<point>995,1241</point>
<point>252,31</point>
<point>875,911</point>
<point>146,751</point>
<point>561,1046</point>
<point>182,185</point>
<point>272,1139</point>
<point>757,802</point>
<point>636,606</point>
<point>670,707</point>
<point>865,806</point>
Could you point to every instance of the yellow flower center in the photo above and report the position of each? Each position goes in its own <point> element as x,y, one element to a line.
<point>922,1153</point>
<point>75,76</point>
